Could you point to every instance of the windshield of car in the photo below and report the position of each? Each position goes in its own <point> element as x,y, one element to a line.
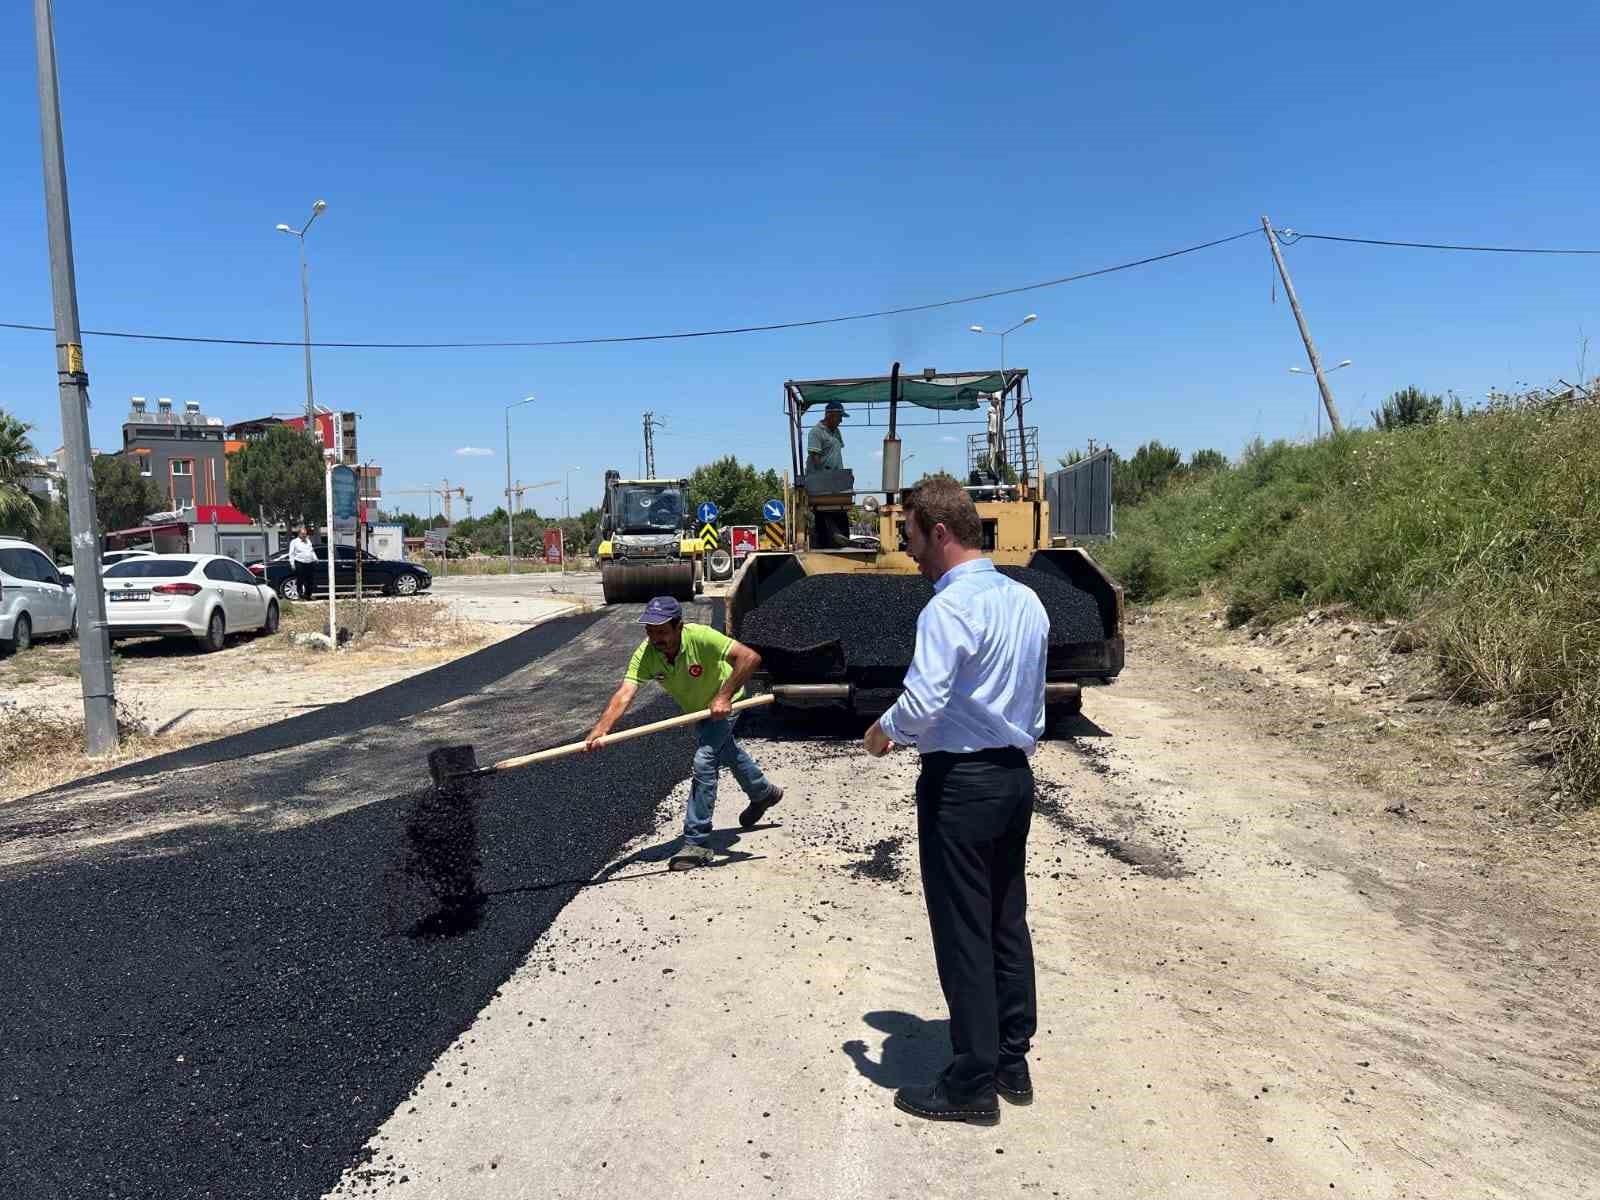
<point>651,508</point>
<point>149,568</point>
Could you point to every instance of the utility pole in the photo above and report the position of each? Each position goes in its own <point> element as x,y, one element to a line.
<point>1305,334</point>
<point>94,641</point>
<point>650,426</point>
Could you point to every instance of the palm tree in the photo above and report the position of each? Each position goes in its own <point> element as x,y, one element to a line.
<point>18,509</point>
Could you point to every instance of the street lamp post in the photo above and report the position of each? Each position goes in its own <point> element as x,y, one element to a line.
<point>511,546</point>
<point>317,210</point>
<point>1329,371</point>
<point>566,504</point>
<point>999,451</point>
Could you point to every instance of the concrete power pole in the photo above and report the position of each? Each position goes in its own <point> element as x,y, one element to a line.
<point>1305,333</point>
<point>650,427</point>
<point>94,641</point>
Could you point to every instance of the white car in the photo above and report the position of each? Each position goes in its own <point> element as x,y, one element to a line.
<point>204,596</point>
<point>109,559</point>
<point>34,599</point>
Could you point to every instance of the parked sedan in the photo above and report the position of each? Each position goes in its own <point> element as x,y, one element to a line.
<point>109,559</point>
<point>34,599</point>
<point>203,596</point>
<point>387,575</point>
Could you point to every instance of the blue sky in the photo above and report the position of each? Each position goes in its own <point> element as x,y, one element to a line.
<point>528,171</point>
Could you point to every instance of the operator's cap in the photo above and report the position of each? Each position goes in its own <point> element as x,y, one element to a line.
<point>661,611</point>
<point>834,407</point>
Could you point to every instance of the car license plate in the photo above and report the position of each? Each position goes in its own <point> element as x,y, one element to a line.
<point>130,595</point>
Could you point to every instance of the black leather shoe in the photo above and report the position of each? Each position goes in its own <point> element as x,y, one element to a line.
<point>1013,1084</point>
<point>757,809</point>
<point>933,1103</point>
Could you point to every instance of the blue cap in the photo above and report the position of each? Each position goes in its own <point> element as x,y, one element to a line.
<point>661,611</point>
<point>834,407</point>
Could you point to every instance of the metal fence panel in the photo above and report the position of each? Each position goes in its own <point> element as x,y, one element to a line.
<point>1080,498</point>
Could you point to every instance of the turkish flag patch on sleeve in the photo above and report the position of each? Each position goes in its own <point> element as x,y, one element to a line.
<point>696,670</point>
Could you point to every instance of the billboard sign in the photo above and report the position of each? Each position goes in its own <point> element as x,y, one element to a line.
<point>552,545</point>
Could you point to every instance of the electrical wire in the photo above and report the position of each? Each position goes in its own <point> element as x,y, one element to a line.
<point>649,337</point>
<point>1290,236</point>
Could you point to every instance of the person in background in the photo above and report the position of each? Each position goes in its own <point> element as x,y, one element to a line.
<point>825,444</point>
<point>704,671</point>
<point>303,562</point>
<point>973,706</point>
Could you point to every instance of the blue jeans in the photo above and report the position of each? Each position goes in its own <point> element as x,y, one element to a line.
<point>716,750</point>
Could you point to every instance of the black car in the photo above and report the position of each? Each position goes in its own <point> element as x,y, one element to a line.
<point>377,574</point>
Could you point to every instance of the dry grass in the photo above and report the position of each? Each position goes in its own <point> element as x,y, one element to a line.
<point>39,750</point>
<point>400,623</point>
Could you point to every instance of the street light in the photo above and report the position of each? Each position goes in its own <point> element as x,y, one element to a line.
<point>305,305</point>
<point>1329,371</point>
<point>511,550</point>
<point>567,499</point>
<point>1000,400</point>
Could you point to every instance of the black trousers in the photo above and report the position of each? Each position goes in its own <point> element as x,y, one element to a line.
<point>973,813</point>
<point>304,574</point>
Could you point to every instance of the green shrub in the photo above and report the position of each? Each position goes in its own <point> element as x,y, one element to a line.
<point>1485,530</point>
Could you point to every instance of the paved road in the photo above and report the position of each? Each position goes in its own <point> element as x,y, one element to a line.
<point>207,990</point>
<point>517,599</point>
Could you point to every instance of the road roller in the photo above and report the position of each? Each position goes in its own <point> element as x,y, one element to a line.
<point>646,545</point>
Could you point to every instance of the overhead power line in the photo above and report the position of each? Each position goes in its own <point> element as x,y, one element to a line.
<point>1290,236</point>
<point>653,337</point>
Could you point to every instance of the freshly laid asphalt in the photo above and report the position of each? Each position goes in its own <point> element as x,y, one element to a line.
<point>231,1010</point>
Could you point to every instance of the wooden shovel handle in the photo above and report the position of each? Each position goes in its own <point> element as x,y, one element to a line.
<point>523,760</point>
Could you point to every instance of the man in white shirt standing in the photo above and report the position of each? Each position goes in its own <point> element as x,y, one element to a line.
<point>303,562</point>
<point>974,707</point>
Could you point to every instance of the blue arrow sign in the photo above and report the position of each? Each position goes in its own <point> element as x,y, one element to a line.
<point>707,512</point>
<point>772,510</point>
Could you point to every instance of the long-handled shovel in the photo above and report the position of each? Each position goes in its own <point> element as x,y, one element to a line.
<point>455,769</point>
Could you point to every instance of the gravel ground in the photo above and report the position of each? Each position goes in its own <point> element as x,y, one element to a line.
<point>223,1009</point>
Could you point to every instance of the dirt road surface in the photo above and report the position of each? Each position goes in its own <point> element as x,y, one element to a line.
<point>1254,981</point>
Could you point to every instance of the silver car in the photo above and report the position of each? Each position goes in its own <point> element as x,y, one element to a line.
<point>204,596</point>
<point>34,599</point>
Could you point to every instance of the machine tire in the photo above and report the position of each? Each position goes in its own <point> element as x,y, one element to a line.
<point>636,584</point>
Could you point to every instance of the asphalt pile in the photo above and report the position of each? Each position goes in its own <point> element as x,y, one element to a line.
<point>874,617</point>
<point>218,1011</point>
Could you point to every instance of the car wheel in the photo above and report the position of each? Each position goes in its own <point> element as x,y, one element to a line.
<point>216,635</point>
<point>72,630</point>
<point>406,585</point>
<point>289,589</point>
<point>22,635</point>
<point>270,625</point>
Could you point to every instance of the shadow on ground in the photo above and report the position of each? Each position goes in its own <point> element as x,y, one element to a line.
<point>914,1050</point>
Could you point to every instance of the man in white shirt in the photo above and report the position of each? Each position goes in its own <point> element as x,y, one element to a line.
<point>303,562</point>
<point>974,707</point>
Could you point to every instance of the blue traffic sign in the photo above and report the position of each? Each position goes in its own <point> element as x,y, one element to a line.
<point>772,510</point>
<point>707,512</point>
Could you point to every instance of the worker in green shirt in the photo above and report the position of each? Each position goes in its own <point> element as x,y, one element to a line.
<point>704,671</point>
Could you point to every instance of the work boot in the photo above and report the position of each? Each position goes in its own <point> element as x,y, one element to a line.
<point>1014,1084</point>
<point>756,809</point>
<point>934,1103</point>
<point>690,854</point>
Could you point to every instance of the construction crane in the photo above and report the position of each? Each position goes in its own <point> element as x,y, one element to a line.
<point>444,493</point>
<point>526,487</point>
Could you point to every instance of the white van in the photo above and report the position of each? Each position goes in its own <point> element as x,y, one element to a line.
<point>34,599</point>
